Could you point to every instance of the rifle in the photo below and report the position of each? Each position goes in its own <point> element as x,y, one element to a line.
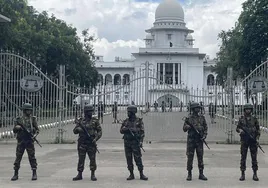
<point>131,132</point>
<point>85,131</point>
<point>30,135</point>
<point>251,137</point>
<point>193,127</point>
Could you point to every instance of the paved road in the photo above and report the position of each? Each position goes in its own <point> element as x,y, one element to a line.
<point>159,127</point>
<point>164,165</point>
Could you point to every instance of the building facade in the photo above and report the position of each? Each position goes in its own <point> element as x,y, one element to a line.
<point>166,69</point>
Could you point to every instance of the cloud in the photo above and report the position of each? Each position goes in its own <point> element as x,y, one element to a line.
<point>119,25</point>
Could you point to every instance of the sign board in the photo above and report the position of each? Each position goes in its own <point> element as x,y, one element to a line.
<point>31,83</point>
<point>258,84</point>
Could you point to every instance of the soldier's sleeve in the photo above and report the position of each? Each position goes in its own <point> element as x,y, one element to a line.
<point>184,125</point>
<point>35,125</point>
<point>257,125</point>
<point>75,130</point>
<point>98,129</point>
<point>16,122</point>
<point>239,125</point>
<point>205,125</point>
<point>142,132</point>
<point>123,125</point>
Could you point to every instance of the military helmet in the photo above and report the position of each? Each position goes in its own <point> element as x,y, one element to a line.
<point>27,106</point>
<point>194,105</point>
<point>248,106</point>
<point>89,107</point>
<point>132,108</point>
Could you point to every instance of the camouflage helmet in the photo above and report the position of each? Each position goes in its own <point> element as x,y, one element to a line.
<point>132,108</point>
<point>194,105</point>
<point>27,106</point>
<point>88,107</point>
<point>248,106</point>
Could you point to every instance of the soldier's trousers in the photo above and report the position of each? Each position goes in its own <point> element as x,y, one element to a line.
<point>132,148</point>
<point>192,146</point>
<point>253,151</point>
<point>29,146</point>
<point>90,150</point>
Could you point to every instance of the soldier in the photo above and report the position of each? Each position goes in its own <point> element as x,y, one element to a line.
<point>133,131</point>
<point>194,141</point>
<point>24,141</point>
<point>115,110</point>
<point>87,145</point>
<point>251,125</point>
<point>100,111</point>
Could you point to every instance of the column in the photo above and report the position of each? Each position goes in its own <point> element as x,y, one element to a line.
<point>158,73</point>
<point>173,74</point>
<point>164,73</point>
<point>179,73</point>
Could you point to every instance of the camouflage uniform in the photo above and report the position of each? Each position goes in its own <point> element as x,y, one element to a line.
<point>132,143</point>
<point>194,141</point>
<point>251,124</point>
<point>24,142</point>
<point>85,145</point>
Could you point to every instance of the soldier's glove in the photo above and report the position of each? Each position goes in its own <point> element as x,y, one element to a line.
<point>204,137</point>
<point>18,127</point>
<point>188,127</point>
<point>79,129</point>
<point>124,129</point>
<point>241,132</point>
<point>141,144</point>
<point>94,141</point>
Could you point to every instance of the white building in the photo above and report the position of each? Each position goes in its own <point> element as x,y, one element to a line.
<point>175,65</point>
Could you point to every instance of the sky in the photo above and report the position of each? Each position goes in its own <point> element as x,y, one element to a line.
<point>119,25</point>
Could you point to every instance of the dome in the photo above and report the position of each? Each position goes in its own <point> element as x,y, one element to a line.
<point>189,37</point>
<point>169,10</point>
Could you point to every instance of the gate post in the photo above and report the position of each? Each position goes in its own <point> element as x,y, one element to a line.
<point>231,105</point>
<point>60,99</point>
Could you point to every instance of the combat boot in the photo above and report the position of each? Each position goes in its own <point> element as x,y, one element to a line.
<point>255,177</point>
<point>131,176</point>
<point>16,176</point>
<point>189,177</point>
<point>202,176</point>
<point>242,178</point>
<point>93,177</point>
<point>78,177</point>
<point>34,176</point>
<point>142,176</point>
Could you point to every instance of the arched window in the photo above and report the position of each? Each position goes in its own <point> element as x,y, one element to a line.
<point>108,79</point>
<point>126,79</point>
<point>210,80</point>
<point>100,79</point>
<point>117,79</point>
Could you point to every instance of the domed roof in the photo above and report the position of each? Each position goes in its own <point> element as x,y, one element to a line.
<point>169,10</point>
<point>189,37</point>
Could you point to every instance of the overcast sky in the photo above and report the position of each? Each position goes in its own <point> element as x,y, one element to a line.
<point>119,25</point>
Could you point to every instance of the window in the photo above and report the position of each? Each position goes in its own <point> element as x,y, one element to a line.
<point>98,58</point>
<point>169,36</point>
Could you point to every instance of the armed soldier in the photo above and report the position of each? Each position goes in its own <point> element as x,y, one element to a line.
<point>133,131</point>
<point>24,141</point>
<point>196,127</point>
<point>87,142</point>
<point>249,129</point>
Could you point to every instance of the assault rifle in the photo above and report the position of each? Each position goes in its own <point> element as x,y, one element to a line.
<point>200,136</point>
<point>252,138</point>
<point>85,131</point>
<point>29,134</point>
<point>131,132</point>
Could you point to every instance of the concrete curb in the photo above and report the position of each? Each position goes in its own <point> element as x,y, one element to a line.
<point>10,134</point>
<point>262,128</point>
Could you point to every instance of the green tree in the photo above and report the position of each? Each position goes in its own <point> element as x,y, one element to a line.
<point>245,46</point>
<point>48,41</point>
